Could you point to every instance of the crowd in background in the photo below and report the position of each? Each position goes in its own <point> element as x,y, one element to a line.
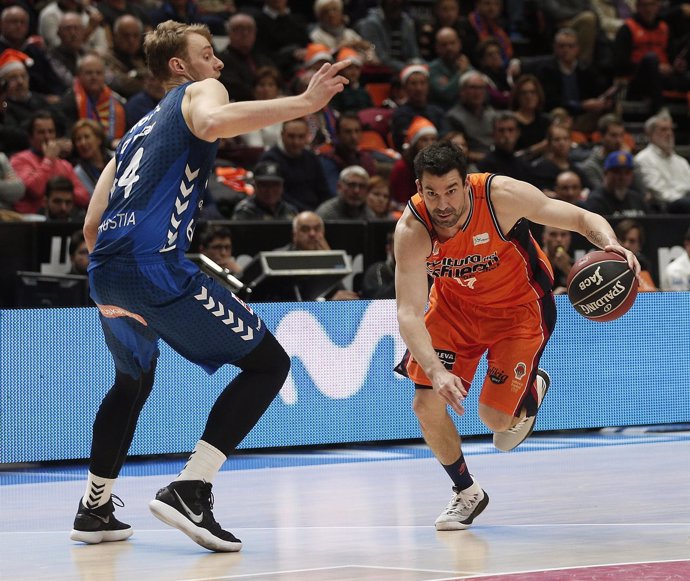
<point>585,99</point>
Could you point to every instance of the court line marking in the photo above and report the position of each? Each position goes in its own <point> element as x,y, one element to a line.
<point>552,569</point>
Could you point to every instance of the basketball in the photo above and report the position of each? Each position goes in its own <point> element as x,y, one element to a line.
<point>601,286</point>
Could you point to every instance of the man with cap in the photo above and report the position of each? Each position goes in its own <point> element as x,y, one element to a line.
<point>267,202</point>
<point>615,198</point>
<point>415,83</point>
<point>351,201</point>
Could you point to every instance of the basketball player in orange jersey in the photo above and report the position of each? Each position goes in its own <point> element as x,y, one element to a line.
<point>491,293</point>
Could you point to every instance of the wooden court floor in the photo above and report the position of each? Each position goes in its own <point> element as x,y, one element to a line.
<point>575,507</point>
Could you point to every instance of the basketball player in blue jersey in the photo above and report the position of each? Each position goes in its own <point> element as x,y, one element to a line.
<point>139,224</point>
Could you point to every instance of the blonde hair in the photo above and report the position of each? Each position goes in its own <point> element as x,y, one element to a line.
<point>167,41</point>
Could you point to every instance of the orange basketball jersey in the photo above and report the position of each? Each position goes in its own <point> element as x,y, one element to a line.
<point>479,264</point>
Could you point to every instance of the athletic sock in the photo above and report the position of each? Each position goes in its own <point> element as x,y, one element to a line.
<point>98,491</point>
<point>203,464</point>
<point>459,473</point>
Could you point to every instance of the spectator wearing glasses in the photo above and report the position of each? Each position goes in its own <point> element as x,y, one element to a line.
<point>216,244</point>
<point>351,201</point>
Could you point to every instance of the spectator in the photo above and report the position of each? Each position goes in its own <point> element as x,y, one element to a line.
<point>354,97</point>
<point>415,83</point>
<point>308,233</point>
<point>305,184</point>
<point>665,173</point>
<point>346,151</point>
<point>281,35</point>
<point>51,17</point>
<point>92,155</point>
<point>446,69</point>
<point>447,13</point>
<point>379,198</point>
<point>632,236</point>
<point>64,57</point>
<point>527,102</point>
<point>20,101</point>
<point>568,188</point>
<point>403,184</point>
<point>11,187</point>
<point>36,165</point>
<point>91,98</point>
<point>126,64</point>
<point>612,133</point>
<point>266,86</point>
<point>568,83</point>
<point>145,100</point>
<point>113,9</point>
<point>473,115</point>
<point>378,281</point>
<point>14,33</point>
<point>216,244</point>
<point>59,204</point>
<point>612,15</point>
<point>485,19</point>
<point>556,159</point>
<point>267,202</point>
<point>615,197</point>
<point>351,201</point>
<point>241,58</point>
<point>641,51</point>
<point>556,246</point>
<point>458,137</point>
<point>331,28</point>
<point>187,12</point>
<point>677,273</point>
<point>502,159</point>
<point>78,254</point>
<point>579,16</point>
<point>491,63</point>
<point>392,33</point>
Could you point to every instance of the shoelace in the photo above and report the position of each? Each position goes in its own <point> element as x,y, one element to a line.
<point>516,427</point>
<point>461,499</point>
<point>114,498</point>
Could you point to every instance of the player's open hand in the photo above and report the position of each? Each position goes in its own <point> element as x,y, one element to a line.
<point>449,387</point>
<point>633,263</point>
<point>325,83</point>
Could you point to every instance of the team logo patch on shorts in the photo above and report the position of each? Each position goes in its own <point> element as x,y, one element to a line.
<point>497,375</point>
<point>520,370</point>
<point>447,358</point>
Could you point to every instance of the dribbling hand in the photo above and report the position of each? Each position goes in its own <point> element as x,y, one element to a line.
<point>450,388</point>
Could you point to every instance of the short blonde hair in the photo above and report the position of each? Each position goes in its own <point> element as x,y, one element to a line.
<point>169,40</point>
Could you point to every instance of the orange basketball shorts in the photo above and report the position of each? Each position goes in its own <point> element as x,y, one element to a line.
<point>513,337</point>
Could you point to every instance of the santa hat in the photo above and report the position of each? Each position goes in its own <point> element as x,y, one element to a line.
<point>350,53</point>
<point>12,60</point>
<point>412,69</point>
<point>316,53</point>
<point>419,127</point>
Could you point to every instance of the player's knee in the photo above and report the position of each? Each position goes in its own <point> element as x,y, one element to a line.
<point>494,420</point>
<point>426,410</point>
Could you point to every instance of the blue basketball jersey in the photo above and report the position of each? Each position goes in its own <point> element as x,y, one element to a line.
<point>162,170</point>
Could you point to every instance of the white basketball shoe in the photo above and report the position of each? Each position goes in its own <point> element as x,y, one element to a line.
<point>463,508</point>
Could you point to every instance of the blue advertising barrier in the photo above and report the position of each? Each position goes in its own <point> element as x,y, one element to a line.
<point>55,369</point>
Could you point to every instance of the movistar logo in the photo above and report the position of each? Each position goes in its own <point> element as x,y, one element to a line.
<point>378,322</point>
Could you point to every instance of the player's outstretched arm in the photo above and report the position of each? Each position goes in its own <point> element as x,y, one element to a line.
<point>210,116</point>
<point>516,199</point>
<point>98,204</point>
<point>412,245</point>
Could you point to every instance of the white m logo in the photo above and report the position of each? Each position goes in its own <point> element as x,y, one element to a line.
<point>320,356</point>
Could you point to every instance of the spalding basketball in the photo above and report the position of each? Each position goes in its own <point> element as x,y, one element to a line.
<point>601,286</point>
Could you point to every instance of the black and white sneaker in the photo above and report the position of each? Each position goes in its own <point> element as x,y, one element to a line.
<point>98,525</point>
<point>463,508</point>
<point>186,505</point>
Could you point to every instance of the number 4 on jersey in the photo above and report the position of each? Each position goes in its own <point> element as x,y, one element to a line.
<point>129,176</point>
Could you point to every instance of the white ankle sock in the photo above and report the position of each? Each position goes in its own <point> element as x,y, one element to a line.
<point>98,491</point>
<point>203,464</point>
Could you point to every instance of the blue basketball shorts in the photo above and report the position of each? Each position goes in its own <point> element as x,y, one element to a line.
<point>143,301</point>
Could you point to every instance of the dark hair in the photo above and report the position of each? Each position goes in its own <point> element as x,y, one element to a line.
<point>75,240</point>
<point>212,233</point>
<point>521,81</point>
<point>40,114</point>
<point>59,184</point>
<point>351,115</point>
<point>439,158</point>
<point>624,226</point>
<point>606,121</point>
